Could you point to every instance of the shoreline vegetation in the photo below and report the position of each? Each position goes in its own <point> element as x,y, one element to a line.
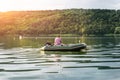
<point>67,22</point>
<point>62,35</point>
<point>71,35</point>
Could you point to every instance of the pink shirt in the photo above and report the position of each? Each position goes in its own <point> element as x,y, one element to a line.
<point>57,41</point>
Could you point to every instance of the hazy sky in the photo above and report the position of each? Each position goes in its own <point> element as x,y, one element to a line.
<point>8,5</point>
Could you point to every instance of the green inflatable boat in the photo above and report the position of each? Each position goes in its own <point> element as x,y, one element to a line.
<point>68,47</point>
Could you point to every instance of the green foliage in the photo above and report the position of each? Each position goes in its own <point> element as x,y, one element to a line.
<point>75,21</point>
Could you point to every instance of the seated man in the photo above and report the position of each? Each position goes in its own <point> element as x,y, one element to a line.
<point>58,41</point>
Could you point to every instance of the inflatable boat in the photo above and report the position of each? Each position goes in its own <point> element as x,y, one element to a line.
<point>67,47</point>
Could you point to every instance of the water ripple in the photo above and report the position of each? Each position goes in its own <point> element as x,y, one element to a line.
<point>32,61</point>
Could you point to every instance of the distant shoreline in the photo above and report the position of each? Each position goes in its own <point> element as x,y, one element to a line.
<point>63,35</point>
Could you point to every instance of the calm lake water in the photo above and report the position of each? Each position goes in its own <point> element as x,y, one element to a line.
<point>21,59</point>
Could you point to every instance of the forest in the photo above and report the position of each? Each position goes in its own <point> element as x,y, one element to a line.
<point>66,21</point>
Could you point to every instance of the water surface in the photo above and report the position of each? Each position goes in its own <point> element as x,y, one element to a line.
<point>21,59</point>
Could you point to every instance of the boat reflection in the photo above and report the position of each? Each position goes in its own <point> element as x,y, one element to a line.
<point>58,53</point>
<point>55,56</point>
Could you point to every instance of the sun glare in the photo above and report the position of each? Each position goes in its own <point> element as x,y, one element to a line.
<point>4,5</point>
<point>8,5</point>
<point>4,10</point>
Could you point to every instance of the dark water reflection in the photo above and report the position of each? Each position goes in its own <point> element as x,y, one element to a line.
<point>21,59</point>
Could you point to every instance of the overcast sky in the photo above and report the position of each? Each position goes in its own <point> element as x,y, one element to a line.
<point>13,5</point>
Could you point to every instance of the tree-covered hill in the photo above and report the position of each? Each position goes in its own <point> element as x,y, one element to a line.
<point>75,21</point>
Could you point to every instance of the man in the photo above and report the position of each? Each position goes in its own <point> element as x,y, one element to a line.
<point>58,40</point>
